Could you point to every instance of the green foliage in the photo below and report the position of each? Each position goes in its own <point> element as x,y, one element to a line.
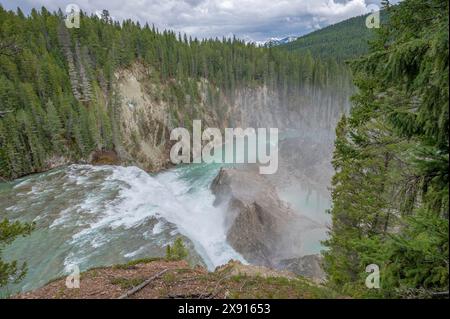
<point>176,252</point>
<point>12,272</point>
<point>340,42</point>
<point>390,191</point>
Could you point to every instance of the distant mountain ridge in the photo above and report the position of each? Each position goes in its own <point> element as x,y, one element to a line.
<point>342,41</point>
<point>273,42</point>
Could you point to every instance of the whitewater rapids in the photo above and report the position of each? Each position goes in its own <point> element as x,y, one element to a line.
<point>100,215</point>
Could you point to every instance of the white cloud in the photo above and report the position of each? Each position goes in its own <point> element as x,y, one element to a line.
<point>251,19</point>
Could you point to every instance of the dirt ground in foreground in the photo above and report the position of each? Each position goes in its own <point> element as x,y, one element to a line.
<point>179,280</point>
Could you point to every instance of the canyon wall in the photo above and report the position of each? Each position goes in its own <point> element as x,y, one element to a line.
<point>145,117</point>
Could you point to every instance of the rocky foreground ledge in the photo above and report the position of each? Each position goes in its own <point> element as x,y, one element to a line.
<point>160,278</point>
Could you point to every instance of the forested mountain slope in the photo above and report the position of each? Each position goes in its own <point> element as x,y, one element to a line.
<point>62,90</point>
<point>341,41</point>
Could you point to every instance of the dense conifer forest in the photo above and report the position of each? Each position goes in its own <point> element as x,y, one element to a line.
<point>341,41</point>
<point>390,191</point>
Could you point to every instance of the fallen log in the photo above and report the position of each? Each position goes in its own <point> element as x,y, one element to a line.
<point>142,285</point>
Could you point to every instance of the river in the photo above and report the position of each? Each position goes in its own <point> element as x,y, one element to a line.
<point>93,216</point>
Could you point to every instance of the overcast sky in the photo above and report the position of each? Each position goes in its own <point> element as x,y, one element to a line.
<point>253,20</point>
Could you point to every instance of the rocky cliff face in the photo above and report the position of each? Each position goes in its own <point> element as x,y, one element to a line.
<point>260,226</point>
<point>143,121</point>
<point>145,116</point>
<point>260,107</point>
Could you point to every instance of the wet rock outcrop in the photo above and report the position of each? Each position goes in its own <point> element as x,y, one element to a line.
<point>261,227</point>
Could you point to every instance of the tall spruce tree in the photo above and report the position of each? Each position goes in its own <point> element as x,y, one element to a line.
<point>390,191</point>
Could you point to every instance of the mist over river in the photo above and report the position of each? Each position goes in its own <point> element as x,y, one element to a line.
<point>93,216</point>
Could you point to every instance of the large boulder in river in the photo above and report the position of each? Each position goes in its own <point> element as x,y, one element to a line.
<point>261,227</point>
